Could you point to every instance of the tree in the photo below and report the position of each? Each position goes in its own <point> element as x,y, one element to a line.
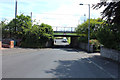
<point>109,35</point>
<point>112,11</point>
<point>31,36</point>
<point>37,36</point>
<point>94,25</point>
<point>82,30</point>
<point>4,28</point>
<point>18,25</point>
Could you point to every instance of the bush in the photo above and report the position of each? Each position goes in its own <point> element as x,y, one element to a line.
<point>96,43</point>
<point>108,37</point>
<point>37,36</point>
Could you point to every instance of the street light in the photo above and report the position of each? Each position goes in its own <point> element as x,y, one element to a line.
<point>88,26</point>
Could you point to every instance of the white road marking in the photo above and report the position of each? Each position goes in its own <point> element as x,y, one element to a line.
<point>112,76</point>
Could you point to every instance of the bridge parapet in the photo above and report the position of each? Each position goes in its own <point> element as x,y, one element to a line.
<point>64,29</point>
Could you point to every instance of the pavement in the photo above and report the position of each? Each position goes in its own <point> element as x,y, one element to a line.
<point>56,63</point>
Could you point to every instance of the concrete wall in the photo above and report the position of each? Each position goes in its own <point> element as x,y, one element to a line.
<point>49,43</point>
<point>84,46</point>
<point>110,53</point>
<point>74,42</point>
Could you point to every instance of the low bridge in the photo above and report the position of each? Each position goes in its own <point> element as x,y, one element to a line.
<point>67,32</point>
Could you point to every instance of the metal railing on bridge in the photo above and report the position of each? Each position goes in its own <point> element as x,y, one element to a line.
<point>64,29</point>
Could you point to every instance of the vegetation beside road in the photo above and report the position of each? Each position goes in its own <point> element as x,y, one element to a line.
<point>58,38</point>
<point>31,35</point>
<point>65,34</point>
<point>106,32</point>
<point>109,34</point>
<point>83,29</point>
<point>101,33</point>
<point>69,40</point>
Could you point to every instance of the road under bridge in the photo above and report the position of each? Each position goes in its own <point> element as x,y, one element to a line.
<point>74,38</point>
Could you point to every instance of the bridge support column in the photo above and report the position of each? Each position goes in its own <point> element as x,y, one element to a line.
<point>74,42</point>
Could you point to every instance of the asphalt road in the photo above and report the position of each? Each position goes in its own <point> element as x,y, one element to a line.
<point>59,42</point>
<point>56,63</point>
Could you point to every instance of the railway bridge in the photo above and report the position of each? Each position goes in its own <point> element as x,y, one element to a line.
<point>67,32</point>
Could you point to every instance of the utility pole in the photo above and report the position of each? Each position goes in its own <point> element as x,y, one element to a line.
<point>78,22</point>
<point>56,28</point>
<point>84,17</point>
<point>71,29</point>
<point>15,14</point>
<point>64,29</point>
<point>15,8</point>
<point>31,16</point>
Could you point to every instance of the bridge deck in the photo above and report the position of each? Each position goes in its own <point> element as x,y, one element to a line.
<point>66,36</point>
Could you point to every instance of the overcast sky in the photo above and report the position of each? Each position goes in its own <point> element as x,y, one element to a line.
<point>66,13</point>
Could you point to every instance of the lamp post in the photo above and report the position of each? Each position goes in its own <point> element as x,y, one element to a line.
<point>88,27</point>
